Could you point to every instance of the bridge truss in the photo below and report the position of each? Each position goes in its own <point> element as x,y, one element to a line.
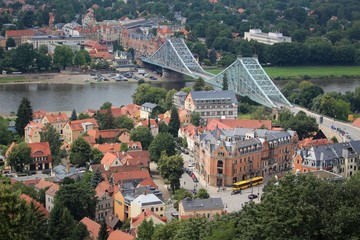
<point>245,76</point>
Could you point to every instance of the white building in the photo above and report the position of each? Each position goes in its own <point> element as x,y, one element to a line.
<point>267,38</point>
<point>147,201</point>
<point>50,197</point>
<point>37,41</point>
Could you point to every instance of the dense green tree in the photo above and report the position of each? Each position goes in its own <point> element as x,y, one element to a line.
<point>199,84</point>
<point>124,147</point>
<point>106,105</point>
<point>63,56</point>
<point>171,168</point>
<point>195,119</point>
<point>78,198</point>
<point>168,103</point>
<point>225,82</point>
<point>163,127</point>
<point>202,194</point>
<point>83,116</point>
<point>73,115</point>
<point>10,43</point>
<point>80,152</point>
<point>145,230</point>
<point>143,135</point>
<point>201,50</point>
<point>49,134</point>
<point>162,142</point>
<point>303,125</point>
<point>24,116</point>
<point>307,94</point>
<point>105,120</point>
<point>174,123</point>
<point>61,223</point>
<point>212,56</point>
<point>186,89</point>
<point>19,157</point>
<point>97,155</point>
<point>96,178</point>
<point>6,136</point>
<point>117,46</point>
<point>103,233</point>
<point>79,59</point>
<point>124,122</point>
<point>146,93</point>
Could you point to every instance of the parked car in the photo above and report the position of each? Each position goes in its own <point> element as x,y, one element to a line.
<point>175,215</point>
<point>235,192</point>
<point>195,179</point>
<point>252,196</point>
<point>191,165</point>
<point>153,78</point>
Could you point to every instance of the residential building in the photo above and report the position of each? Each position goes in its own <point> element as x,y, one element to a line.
<point>267,38</point>
<point>20,36</point>
<point>184,116</point>
<point>146,110</point>
<point>224,156</point>
<point>38,116</point>
<point>92,226</point>
<point>179,99</point>
<point>32,132</point>
<point>50,197</point>
<point>107,136</point>
<point>75,129</point>
<point>57,120</point>
<point>97,51</point>
<point>41,155</point>
<point>338,158</point>
<point>29,200</point>
<point>217,123</point>
<point>38,41</point>
<point>120,235</point>
<point>110,160</point>
<point>212,104</point>
<point>206,208</point>
<point>145,216</point>
<point>154,127</point>
<point>42,184</point>
<point>104,205</point>
<point>147,201</point>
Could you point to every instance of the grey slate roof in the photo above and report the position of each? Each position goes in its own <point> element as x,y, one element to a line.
<point>149,105</point>
<point>202,204</point>
<point>214,95</point>
<point>181,93</point>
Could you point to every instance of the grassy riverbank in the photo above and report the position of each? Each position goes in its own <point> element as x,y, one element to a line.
<point>12,79</point>
<point>307,72</point>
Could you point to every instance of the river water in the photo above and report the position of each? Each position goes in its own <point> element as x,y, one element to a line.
<point>65,97</point>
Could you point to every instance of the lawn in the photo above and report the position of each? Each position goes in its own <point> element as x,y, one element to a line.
<point>12,79</point>
<point>310,72</point>
<point>313,71</point>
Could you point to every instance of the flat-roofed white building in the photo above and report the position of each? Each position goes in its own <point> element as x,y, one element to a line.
<point>267,38</point>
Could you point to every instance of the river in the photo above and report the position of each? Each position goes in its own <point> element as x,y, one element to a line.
<point>65,97</point>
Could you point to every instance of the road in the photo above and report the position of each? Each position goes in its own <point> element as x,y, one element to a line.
<point>354,132</point>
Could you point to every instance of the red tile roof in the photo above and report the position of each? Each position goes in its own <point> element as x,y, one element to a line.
<point>107,134</point>
<point>19,33</point>
<point>153,123</point>
<point>77,124</point>
<point>40,149</point>
<point>40,207</point>
<point>136,221</point>
<point>238,123</point>
<point>116,112</point>
<point>108,159</point>
<point>90,140</point>
<point>147,182</point>
<point>57,117</point>
<point>108,147</point>
<point>309,142</point>
<point>92,226</point>
<point>119,235</point>
<point>52,190</point>
<point>121,176</point>
<point>43,184</point>
<point>101,188</point>
<point>39,114</point>
<point>356,123</point>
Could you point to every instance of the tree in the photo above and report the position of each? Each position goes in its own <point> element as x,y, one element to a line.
<point>105,120</point>
<point>83,116</point>
<point>145,230</point>
<point>49,134</point>
<point>171,168</point>
<point>186,89</point>
<point>78,198</point>
<point>212,56</point>
<point>79,59</point>
<point>19,157</point>
<point>61,223</point>
<point>97,155</point>
<point>169,99</point>
<point>202,194</point>
<point>96,178</point>
<point>106,105</point>
<point>201,50</point>
<point>103,233</point>
<point>199,84</point>
<point>162,142</point>
<point>302,124</point>
<point>143,135</point>
<point>163,127</point>
<point>81,232</point>
<point>225,82</point>
<point>73,116</point>
<point>117,46</point>
<point>80,152</point>
<point>174,123</point>
<point>24,116</point>
<point>146,93</point>
<point>195,119</point>
<point>10,43</point>
<point>63,56</point>
<point>124,122</point>
<point>124,147</point>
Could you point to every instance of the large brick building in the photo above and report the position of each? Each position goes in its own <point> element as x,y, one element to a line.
<point>224,156</point>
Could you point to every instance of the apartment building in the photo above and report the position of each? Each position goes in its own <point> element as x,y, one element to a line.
<point>57,120</point>
<point>212,104</point>
<point>206,208</point>
<point>267,38</point>
<point>75,129</point>
<point>19,36</point>
<point>37,41</point>
<point>338,158</point>
<point>224,156</point>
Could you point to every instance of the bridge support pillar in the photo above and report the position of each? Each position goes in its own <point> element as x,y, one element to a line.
<point>172,75</point>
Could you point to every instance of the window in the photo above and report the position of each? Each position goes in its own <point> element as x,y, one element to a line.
<point>156,209</point>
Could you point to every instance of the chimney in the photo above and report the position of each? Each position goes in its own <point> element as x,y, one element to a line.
<point>68,167</point>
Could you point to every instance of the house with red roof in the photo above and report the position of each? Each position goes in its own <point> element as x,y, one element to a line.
<point>57,120</point>
<point>92,226</point>
<point>38,115</point>
<point>356,123</point>
<point>72,130</point>
<point>42,184</point>
<point>97,51</point>
<point>32,132</point>
<point>145,216</point>
<point>110,160</point>
<point>39,206</point>
<point>41,154</point>
<point>120,235</point>
<point>188,132</point>
<point>50,196</point>
<point>108,135</point>
<point>20,36</point>
<point>104,206</point>
<point>154,127</point>
<point>121,178</point>
<point>238,123</point>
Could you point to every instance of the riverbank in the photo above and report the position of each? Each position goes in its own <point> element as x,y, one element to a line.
<point>307,72</point>
<point>45,78</point>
